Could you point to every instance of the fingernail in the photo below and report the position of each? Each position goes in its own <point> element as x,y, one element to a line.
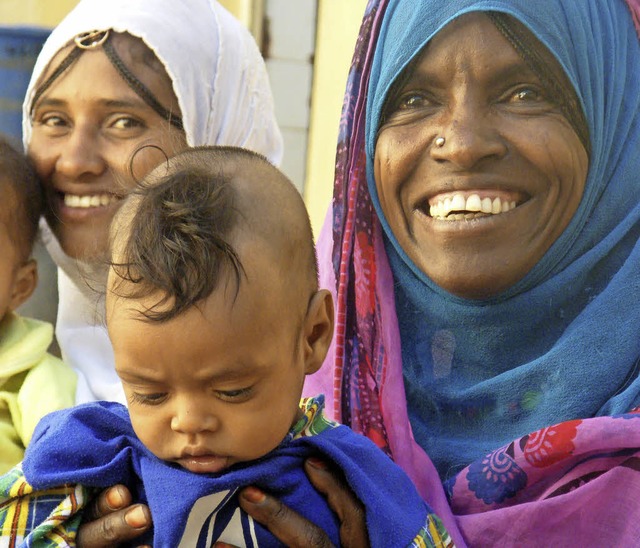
<point>115,499</point>
<point>317,463</point>
<point>136,517</point>
<point>253,495</point>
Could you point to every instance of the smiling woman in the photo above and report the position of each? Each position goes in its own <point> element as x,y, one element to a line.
<point>455,206</point>
<point>112,84</point>
<point>87,123</point>
<point>483,248</point>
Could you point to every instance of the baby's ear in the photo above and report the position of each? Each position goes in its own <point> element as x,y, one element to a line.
<point>318,330</point>
<point>24,284</point>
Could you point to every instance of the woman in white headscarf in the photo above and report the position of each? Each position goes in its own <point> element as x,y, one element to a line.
<point>117,88</point>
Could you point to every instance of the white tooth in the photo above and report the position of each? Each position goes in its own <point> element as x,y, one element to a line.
<point>486,205</point>
<point>458,203</point>
<point>432,211</point>
<point>105,199</point>
<point>85,201</point>
<point>446,207</point>
<point>496,206</point>
<point>71,200</point>
<point>513,205</point>
<point>506,206</point>
<point>95,201</point>
<point>473,203</point>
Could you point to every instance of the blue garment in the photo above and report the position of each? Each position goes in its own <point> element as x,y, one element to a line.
<point>95,445</point>
<point>564,342</point>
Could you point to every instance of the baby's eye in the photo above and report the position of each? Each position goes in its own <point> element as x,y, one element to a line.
<point>235,396</point>
<point>147,399</point>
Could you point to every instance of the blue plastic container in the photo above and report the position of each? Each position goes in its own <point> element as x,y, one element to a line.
<point>19,48</point>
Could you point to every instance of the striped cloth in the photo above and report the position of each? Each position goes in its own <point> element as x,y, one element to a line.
<point>39,518</point>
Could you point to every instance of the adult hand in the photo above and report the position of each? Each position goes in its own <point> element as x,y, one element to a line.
<point>111,519</point>
<point>295,531</point>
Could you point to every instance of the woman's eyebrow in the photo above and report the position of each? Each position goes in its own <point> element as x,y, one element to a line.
<point>133,102</point>
<point>120,103</point>
<point>510,70</point>
<point>50,102</point>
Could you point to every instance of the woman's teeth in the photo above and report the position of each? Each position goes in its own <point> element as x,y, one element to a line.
<point>457,207</point>
<point>94,200</point>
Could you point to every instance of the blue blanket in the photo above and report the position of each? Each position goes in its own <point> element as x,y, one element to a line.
<point>94,445</point>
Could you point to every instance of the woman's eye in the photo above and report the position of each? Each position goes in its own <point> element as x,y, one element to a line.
<point>235,396</point>
<point>51,120</point>
<point>125,122</point>
<point>147,399</point>
<point>412,100</point>
<point>527,95</point>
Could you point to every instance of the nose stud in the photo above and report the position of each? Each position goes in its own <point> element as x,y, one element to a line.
<point>439,142</point>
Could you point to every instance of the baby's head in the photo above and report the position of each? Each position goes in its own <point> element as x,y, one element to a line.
<point>20,209</point>
<point>213,307</point>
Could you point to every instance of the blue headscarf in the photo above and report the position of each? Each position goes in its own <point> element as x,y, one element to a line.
<point>564,342</point>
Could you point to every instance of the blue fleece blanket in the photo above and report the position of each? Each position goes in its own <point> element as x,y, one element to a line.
<point>94,445</point>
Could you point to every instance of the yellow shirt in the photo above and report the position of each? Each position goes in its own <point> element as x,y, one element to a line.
<point>32,383</point>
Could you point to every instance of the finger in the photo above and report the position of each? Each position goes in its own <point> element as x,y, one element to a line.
<point>107,502</point>
<point>286,525</point>
<point>115,528</point>
<point>350,511</point>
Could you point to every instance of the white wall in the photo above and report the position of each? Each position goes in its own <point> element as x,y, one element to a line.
<point>289,44</point>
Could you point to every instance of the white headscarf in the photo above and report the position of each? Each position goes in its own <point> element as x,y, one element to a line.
<point>221,84</point>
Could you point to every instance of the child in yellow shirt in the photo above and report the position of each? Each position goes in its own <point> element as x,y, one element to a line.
<point>32,381</point>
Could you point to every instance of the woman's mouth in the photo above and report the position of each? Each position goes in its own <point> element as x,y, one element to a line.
<point>89,200</point>
<point>458,206</point>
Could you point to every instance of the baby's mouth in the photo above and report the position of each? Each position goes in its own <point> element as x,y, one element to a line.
<point>458,206</point>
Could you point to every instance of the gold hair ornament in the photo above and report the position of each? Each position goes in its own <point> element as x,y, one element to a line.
<point>92,39</point>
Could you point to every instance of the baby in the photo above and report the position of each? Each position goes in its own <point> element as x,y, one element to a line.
<point>32,382</point>
<point>215,317</point>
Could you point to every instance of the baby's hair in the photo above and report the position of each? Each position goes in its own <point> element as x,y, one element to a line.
<point>172,237</point>
<point>22,214</point>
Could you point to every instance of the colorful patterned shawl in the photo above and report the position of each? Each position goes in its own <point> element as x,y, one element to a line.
<point>569,484</point>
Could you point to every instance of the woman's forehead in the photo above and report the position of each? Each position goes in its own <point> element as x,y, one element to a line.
<point>137,57</point>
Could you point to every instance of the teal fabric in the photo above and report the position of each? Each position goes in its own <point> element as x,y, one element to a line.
<point>564,342</point>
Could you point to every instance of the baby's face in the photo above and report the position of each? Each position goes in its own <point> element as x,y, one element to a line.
<point>219,384</point>
<point>8,265</point>
<point>17,279</point>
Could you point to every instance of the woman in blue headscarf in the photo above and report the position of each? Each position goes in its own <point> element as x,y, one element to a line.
<point>483,248</point>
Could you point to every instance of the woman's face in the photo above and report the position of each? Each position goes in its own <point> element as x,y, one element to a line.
<point>477,213</point>
<point>86,128</point>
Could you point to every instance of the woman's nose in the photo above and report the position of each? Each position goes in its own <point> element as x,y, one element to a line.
<point>80,155</point>
<point>191,418</point>
<point>467,136</point>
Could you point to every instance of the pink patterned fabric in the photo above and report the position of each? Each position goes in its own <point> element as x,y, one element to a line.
<point>528,493</point>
